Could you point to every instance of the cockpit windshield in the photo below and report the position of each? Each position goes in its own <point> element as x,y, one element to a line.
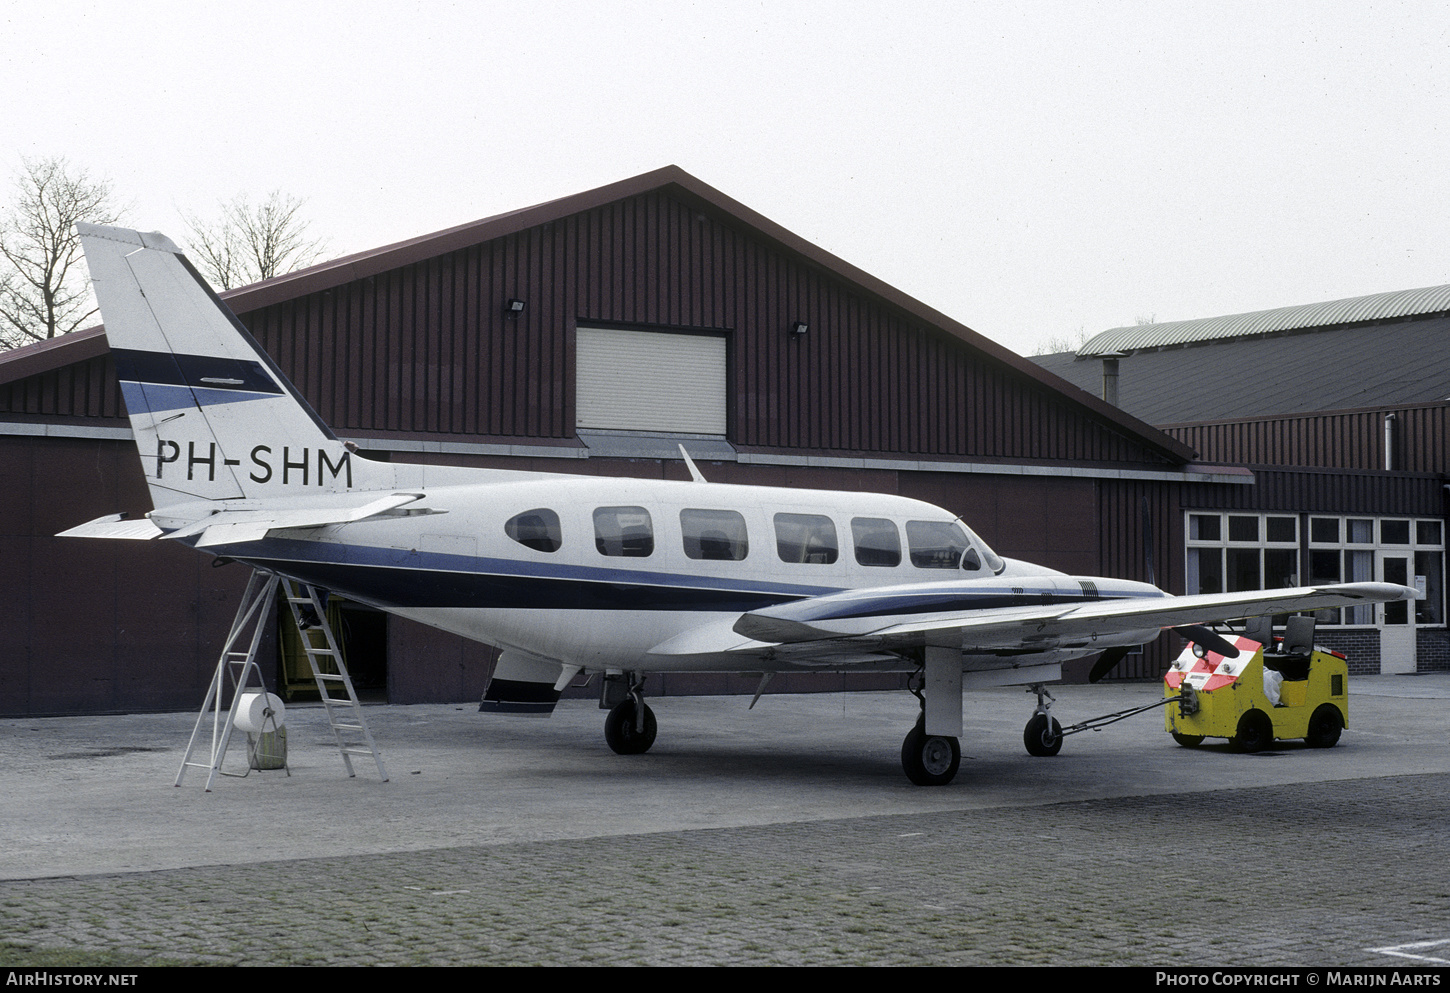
<point>992,559</point>
<point>949,545</point>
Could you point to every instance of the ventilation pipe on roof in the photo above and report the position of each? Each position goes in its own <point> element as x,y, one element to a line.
<point>1389,442</point>
<point>1110,376</point>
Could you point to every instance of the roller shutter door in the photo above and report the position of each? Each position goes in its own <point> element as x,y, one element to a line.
<point>650,381</point>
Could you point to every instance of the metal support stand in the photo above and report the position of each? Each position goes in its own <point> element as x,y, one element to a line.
<point>240,669</point>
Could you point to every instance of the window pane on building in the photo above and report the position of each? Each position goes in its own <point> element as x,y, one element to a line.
<point>1324,569</point>
<point>1281,568</point>
<point>1430,574</point>
<point>1204,527</point>
<point>1359,568</point>
<point>1396,570</point>
<point>1283,529</point>
<point>1205,570</point>
<point>1243,569</point>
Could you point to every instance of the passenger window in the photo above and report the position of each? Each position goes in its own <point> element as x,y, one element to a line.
<point>806,538</point>
<point>714,534</point>
<point>878,543</point>
<point>624,531</point>
<point>536,529</point>
<point>938,545</point>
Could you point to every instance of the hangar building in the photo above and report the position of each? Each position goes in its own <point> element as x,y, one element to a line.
<point>585,335</point>
<point>1340,410</point>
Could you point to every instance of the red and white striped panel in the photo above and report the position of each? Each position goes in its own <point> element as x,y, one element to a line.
<point>1213,670</point>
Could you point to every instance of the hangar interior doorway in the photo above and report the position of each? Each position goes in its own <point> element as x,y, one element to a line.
<point>362,637</point>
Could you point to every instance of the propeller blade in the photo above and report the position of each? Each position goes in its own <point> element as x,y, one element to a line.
<point>1209,639</point>
<point>1106,663</point>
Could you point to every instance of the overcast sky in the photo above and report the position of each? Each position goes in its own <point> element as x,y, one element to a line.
<point>1030,169</point>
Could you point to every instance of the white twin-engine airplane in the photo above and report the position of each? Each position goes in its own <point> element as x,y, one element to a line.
<point>570,574</point>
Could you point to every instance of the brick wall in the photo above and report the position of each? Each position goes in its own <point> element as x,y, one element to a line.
<point>1361,646</point>
<point>1433,651</point>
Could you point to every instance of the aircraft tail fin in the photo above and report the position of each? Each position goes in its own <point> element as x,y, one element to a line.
<point>213,416</point>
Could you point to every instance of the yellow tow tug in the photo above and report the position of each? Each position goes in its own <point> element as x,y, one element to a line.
<point>1274,688</point>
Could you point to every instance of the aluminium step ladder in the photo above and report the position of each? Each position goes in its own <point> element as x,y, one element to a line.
<point>344,713</point>
<point>240,669</point>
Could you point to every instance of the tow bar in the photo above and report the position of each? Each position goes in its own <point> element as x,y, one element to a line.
<point>1187,701</point>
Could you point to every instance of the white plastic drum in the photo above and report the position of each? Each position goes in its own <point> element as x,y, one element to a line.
<point>251,712</point>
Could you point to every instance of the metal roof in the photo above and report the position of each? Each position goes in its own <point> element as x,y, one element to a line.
<point>678,185</point>
<point>1343,368</point>
<point>1335,313</point>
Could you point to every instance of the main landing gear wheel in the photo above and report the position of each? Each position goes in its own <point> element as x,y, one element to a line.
<point>1324,727</point>
<point>1255,732</point>
<point>1042,736</point>
<point>622,734</point>
<point>930,760</point>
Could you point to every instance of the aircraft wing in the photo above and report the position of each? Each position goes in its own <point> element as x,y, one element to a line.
<point>991,619</point>
<point>893,616</point>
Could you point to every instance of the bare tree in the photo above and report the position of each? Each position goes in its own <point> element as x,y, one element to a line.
<point>1062,342</point>
<point>249,243</point>
<point>44,291</point>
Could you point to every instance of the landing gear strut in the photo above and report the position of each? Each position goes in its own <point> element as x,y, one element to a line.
<point>1043,735</point>
<point>630,728</point>
<point>929,759</point>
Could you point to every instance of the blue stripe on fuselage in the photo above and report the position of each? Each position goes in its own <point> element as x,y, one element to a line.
<point>403,577</point>
<point>400,577</point>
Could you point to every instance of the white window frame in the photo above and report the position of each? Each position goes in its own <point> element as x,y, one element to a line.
<point>1224,544</point>
<point>1409,549</point>
<point>1421,532</point>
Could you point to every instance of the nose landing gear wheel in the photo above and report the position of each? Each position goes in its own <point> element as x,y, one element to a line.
<point>1042,736</point>
<point>930,760</point>
<point>622,735</point>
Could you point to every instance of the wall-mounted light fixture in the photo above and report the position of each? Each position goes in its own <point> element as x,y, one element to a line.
<point>513,308</point>
<point>799,328</point>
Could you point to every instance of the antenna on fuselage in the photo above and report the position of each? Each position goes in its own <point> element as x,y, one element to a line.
<point>694,473</point>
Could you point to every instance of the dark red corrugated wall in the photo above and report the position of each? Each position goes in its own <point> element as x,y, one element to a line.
<point>426,349</point>
<point>1331,440</point>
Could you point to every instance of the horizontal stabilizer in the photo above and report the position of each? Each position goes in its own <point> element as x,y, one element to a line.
<point>114,526</point>
<point>232,526</point>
